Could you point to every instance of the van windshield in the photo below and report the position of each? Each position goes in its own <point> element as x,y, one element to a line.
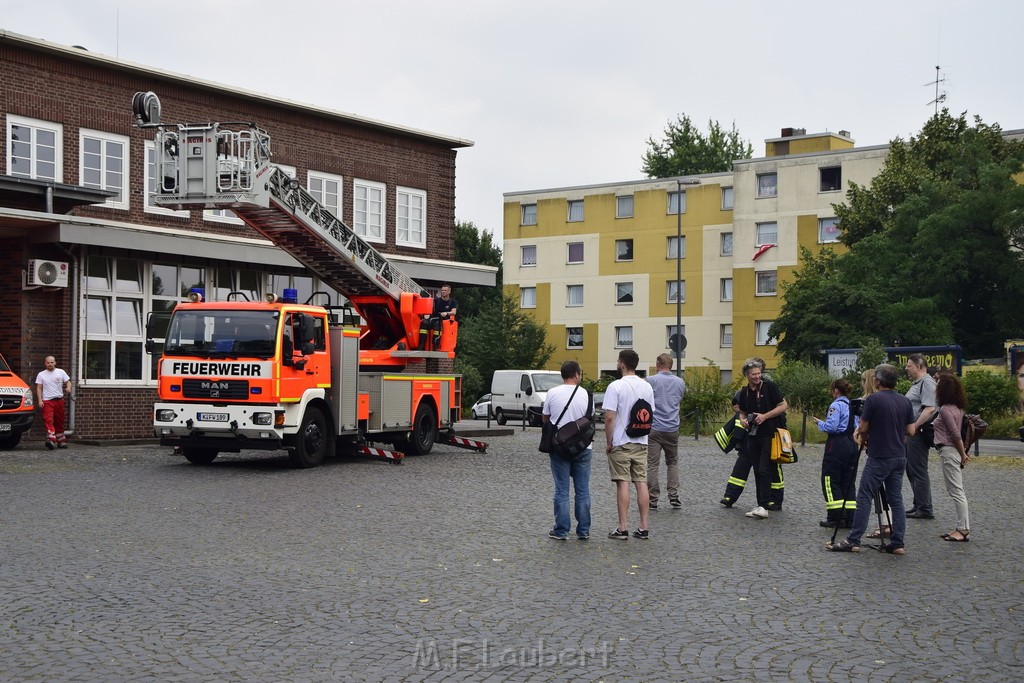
<point>547,381</point>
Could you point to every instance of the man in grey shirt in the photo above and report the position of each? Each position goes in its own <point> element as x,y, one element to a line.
<point>922,399</point>
<point>664,436</point>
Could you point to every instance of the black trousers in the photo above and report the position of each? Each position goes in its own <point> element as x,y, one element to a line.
<point>839,478</point>
<point>776,485</point>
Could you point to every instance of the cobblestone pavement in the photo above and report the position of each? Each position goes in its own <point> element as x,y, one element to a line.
<point>125,563</point>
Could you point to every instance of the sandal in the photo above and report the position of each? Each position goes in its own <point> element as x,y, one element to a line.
<point>962,538</point>
<point>879,532</point>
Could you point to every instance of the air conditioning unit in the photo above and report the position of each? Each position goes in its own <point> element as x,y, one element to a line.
<point>47,273</point>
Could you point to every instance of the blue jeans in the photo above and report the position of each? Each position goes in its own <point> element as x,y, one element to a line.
<point>579,470</point>
<point>877,471</point>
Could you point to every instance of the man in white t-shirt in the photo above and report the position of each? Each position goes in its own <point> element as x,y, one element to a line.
<point>627,455</point>
<point>51,385</point>
<point>578,469</point>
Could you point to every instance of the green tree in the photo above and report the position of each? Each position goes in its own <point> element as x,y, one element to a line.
<point>503,337</point>
<point>990,394</point>
<point>474,245</point>
<point>685,150</point>
<point>930,258</point>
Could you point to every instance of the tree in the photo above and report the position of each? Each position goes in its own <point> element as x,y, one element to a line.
<point>503,337</point>
<point>474,245</point>
<point>930,257</point>
<point>685,150</point>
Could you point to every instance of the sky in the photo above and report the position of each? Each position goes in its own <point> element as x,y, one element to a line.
<point>558,93</point>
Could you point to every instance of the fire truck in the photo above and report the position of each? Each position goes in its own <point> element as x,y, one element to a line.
<point>279,374</point>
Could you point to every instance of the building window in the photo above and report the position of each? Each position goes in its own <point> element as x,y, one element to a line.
<point>103,165</point>
<point>170,284</point>
<point>368,210</point>
<point>831,178</point>
<point>727,199</point>
<point>767,282</point>
<point>527,297</point>
<point>221,216</point>
<point>761,337</point>
<point>575,210</point>
<point>114,311</point>
<point>326,188</point>
<point>676,248</point>
<point>303,286</point>
<point>623,250</point>
<point>623,292</point>
<point>725,336</point>
<point>726,288</point>
<point>410,218</point>
<point>726,244</point>
<point>575,252</point>
<point>574,337</point>
<point>574,295</point>
<point>528,255</point>
<point>828,230</point>
<point>670,331</point>
<point>229,280</point>
<point>676,202</point>
<point>624,206</point>
<point>675,291</point>
<point>151,185</point>
<point>35,149</point>
<point>528,214</point>
<point>767,185</point>
<point>767,233</point>
<point>624,336</point>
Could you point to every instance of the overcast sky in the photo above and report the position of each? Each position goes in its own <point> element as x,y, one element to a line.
<point>558,93</point>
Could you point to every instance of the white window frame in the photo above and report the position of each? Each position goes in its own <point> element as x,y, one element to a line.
<point>618,252</point>
<point>766,189</point>
<point>623,336</point>
<point>150,164</point>
<point>410,220</point>
<point>115,297</point>
<point>725,335</point>
<point>574,208</point>
<point>766,283</point>
<point>624,206</point>
<point>108,142</point>
<point>761,233</point>
<point>728,199</point>
<point>369,210</point>
<point>569,291</point>
<point>725,289</point>
<point>623,289</point>
<point>527,297</point>
<point>671,285</point>
<point>528,214</point>
<point>568,252</point>
<point>36,125</point>
<point>676,197</point>
<point>761,337</point>
<point>222,216</point>
<point>569,337</point>
<point>524,260</point>
<point>724,239</point>
<point>827,224</point>
<point>330,193</point>
<point>670,247</point>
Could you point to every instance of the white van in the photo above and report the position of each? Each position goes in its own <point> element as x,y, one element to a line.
<point>511,390</point>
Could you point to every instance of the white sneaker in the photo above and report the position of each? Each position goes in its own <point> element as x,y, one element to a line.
<point>758,513</point>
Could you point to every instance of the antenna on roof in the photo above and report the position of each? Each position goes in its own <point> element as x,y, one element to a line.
<point>940,96</point>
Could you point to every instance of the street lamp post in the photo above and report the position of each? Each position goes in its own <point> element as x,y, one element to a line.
<point>679,344</point>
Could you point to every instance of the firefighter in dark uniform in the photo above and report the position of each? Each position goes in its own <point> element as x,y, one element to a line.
<point>734,435</point>
<point>839,465</point>
<point>445,308</point>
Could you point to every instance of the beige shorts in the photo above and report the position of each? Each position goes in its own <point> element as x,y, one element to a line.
<point>628,462</point>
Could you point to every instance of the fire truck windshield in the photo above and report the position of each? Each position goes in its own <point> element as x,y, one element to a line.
<point>222,334</point>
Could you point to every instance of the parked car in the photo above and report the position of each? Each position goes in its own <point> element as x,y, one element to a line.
<point>598,409</point>
<point>17,407</point>
<point>512,391</point>
<point>481,407</point>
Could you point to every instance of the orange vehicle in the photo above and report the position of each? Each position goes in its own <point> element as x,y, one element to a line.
<point>17,407</point>
<point>278,374</point>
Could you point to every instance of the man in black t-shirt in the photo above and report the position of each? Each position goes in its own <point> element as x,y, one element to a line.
<point>762,407</point>
<point>445,308</point>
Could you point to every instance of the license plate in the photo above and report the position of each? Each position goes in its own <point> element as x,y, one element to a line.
<point>212,417</point>
<point>5,426</point>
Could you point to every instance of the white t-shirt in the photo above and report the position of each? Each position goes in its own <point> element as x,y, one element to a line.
<point>556,399</point>
<point>53,383</point>
<point>620,397</point>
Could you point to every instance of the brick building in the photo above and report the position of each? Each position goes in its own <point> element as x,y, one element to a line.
<point>76,191</point>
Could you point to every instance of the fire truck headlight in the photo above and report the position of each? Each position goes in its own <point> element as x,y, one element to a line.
<point>166,415</point>
<point>262,418</point>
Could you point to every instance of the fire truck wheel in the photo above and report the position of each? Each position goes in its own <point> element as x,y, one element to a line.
<point>499,416</point>
<point>311,442</point>
<point>10,441</point>
<point>424,430</point>
<point>199,456</point>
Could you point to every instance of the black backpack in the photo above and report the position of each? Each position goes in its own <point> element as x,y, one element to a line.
<point>641,415</point>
